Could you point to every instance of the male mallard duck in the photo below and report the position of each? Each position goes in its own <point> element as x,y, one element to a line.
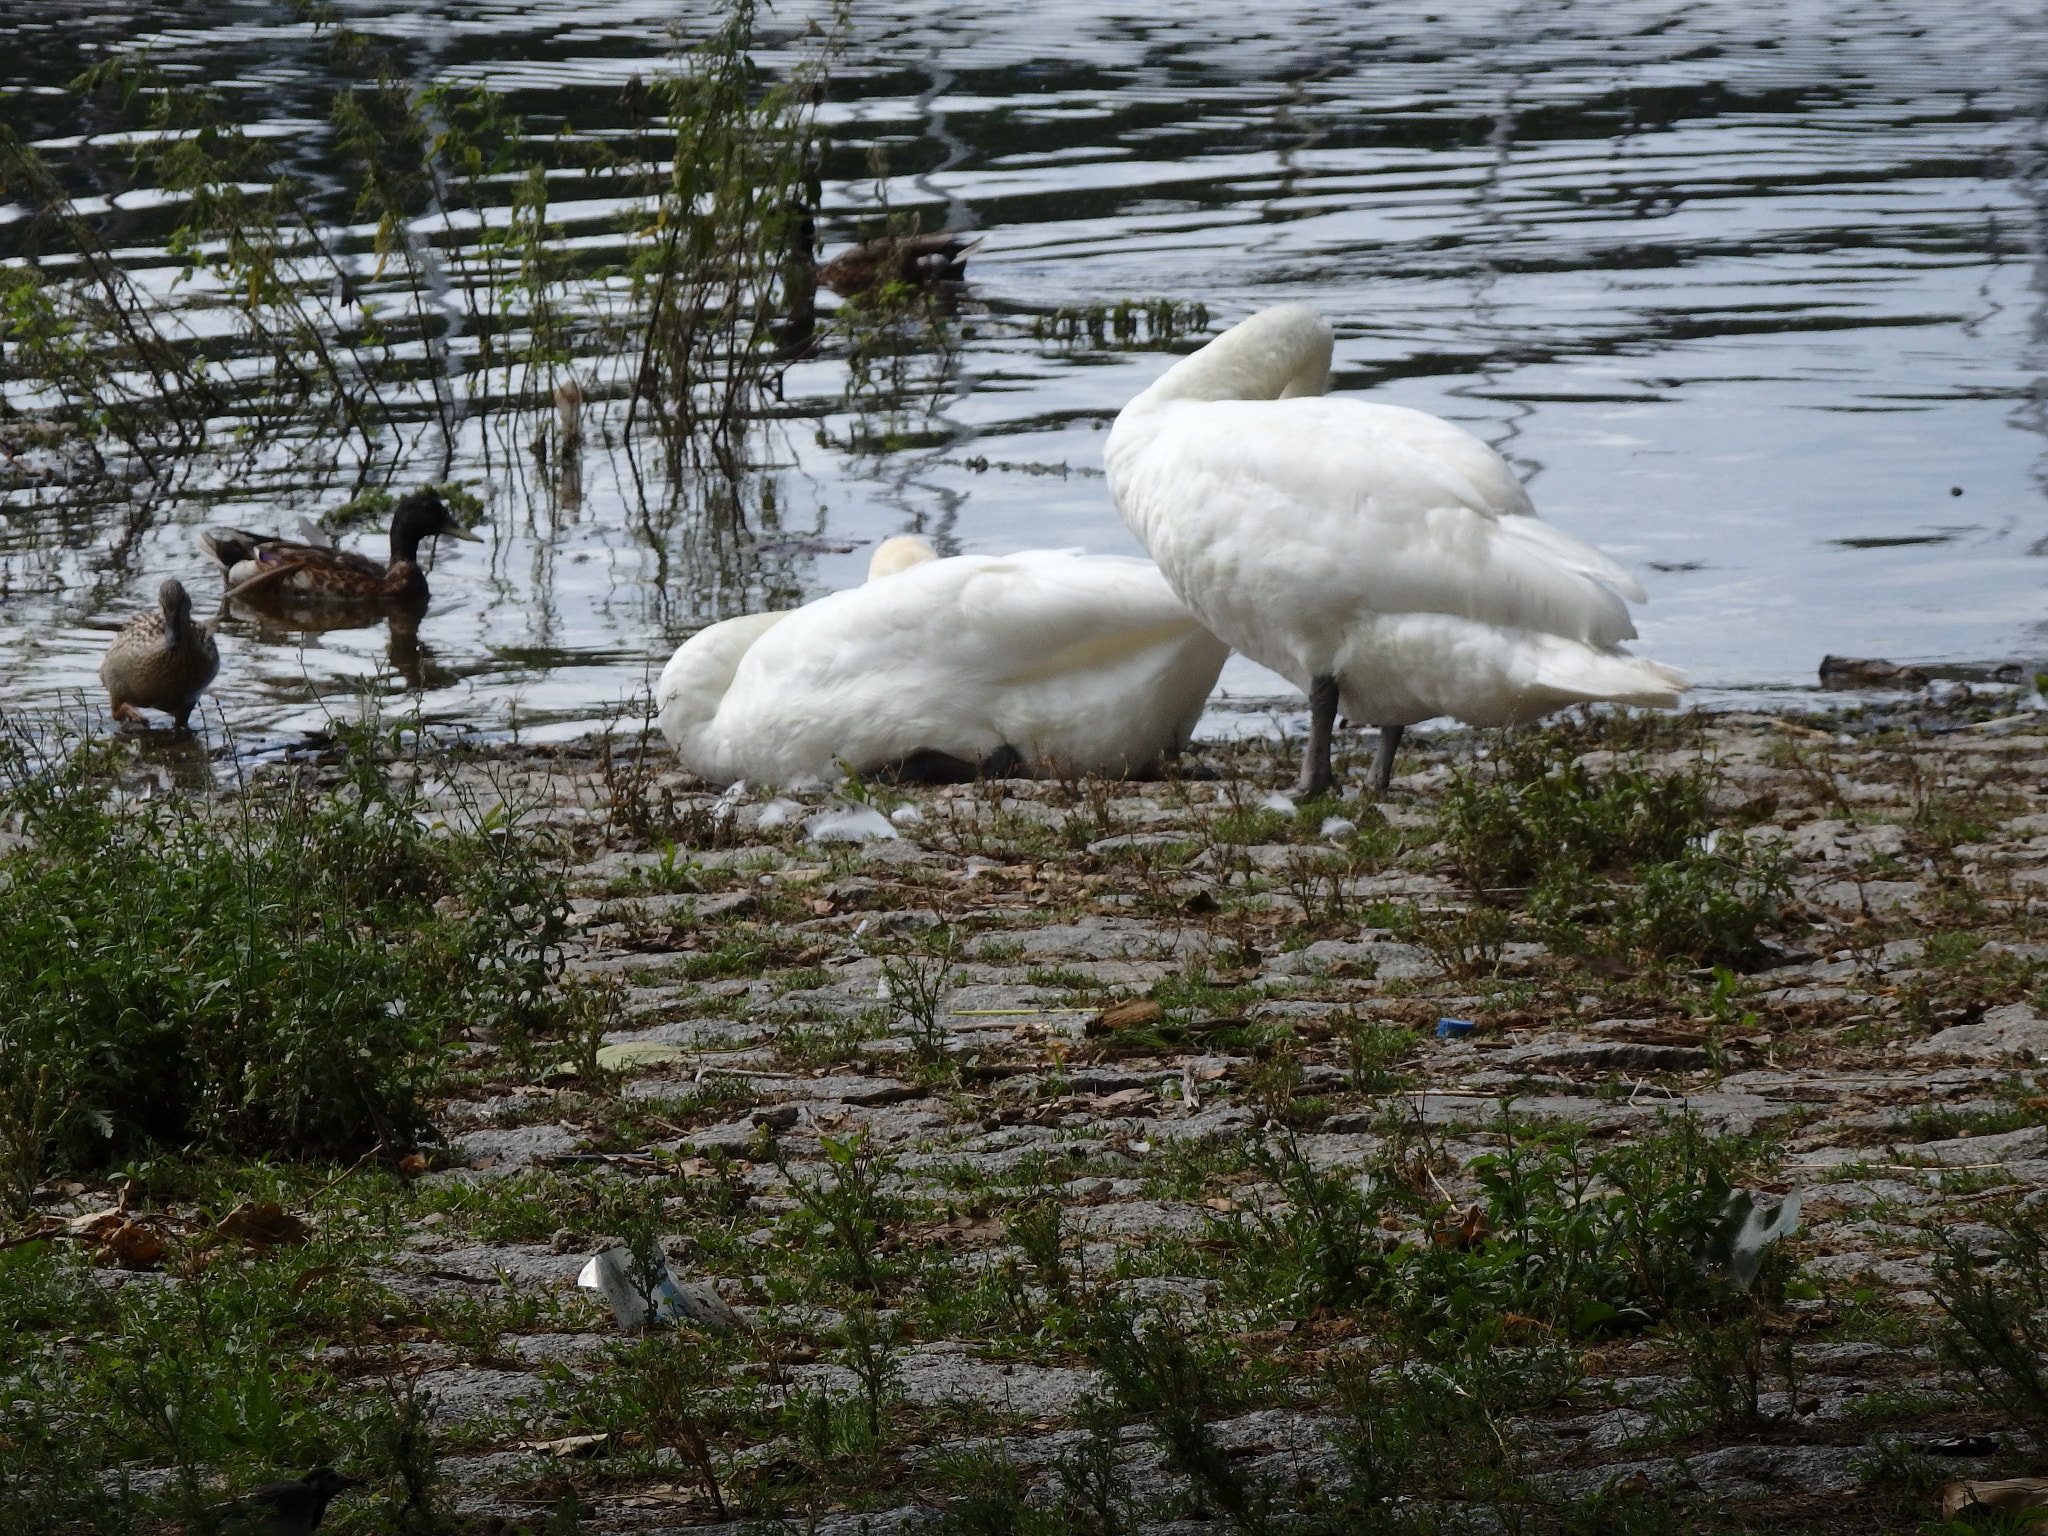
<point>284,568</point>
<point>160,660</point>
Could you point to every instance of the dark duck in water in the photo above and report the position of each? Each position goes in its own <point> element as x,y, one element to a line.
<point>160,660</point>
<point>919,260</point>
<point>280,570</point>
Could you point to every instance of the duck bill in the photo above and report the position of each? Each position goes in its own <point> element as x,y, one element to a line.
<point>463,534</point>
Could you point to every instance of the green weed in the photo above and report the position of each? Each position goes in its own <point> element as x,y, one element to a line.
<point>850,1200</point>
<point>1996,1313</point>
<point>287,972</point>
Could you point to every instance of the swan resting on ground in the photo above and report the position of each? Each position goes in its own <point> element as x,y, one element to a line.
<point>1372,555</point>
<point>942,669</point>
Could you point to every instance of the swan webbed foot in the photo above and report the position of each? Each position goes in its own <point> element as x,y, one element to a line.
<point>1383,759</point>
<point>1315,778</point>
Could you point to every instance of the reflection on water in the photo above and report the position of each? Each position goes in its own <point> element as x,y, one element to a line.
<point>1753,293</point>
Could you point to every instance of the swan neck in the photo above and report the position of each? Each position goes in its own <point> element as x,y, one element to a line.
<point>1278,354</point>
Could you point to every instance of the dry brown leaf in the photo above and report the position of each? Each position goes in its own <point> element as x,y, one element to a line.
<point>47,1227</point>
<point>317,1272</point>
<point>97,1225</point>
<point>1468,1229</point>
<point>568,1445</point>
<point>1135,1014</point>
<point>267,1225</point>
<point>132,1246</point>
<point>2010,1494</point>
<point>412,1165</point>
<point>1128,1098</point>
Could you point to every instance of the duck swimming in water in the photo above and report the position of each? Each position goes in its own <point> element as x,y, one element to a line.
<point>160,660</point>
<point>919,260</point>
<point>942,669</point>
<point>276,569</point>
<point>1372,555</point>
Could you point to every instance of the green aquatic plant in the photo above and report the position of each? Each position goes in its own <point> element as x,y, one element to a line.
<point>290,323</point>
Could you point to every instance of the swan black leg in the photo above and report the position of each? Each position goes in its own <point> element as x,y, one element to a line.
<point>1383,759</point>
<point>1315,753</point>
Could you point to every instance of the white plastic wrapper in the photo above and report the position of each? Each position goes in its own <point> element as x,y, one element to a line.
<point>695,1302</point>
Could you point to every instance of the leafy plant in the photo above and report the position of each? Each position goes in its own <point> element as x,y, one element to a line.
<point>1323,1243</point>
<point>1371,1050</point>
<point>870,1353</point>
<point>1535,808</point>
<point>285,972</point>
<point>1996,1314</point>
<point>918,981</point>
<point>851,1201</point>
<point>1158,1371</point>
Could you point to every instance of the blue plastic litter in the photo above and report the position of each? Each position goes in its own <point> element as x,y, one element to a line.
<point>1454,1029</point>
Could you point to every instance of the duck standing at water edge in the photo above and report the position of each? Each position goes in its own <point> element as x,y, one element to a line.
<point>273,568</point>
<point>1370,554</point>
<point>942,669</point>
<point>161,660</point>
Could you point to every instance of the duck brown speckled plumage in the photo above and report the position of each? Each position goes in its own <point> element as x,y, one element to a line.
<point>161,660</point>
<point>915,259</point>
<point>267,567</point>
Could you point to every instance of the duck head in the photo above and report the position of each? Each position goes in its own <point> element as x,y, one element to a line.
<point>175,603</point>
<point>419,517</point>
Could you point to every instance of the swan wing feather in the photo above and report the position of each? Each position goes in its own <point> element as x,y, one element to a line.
<point>1272,522</point>
<point>1058,655</point>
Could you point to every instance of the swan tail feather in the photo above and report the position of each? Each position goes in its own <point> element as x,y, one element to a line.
<point>1585,673</point>
<point>1574,554</point>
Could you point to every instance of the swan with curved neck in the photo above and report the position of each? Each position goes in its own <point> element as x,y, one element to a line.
<point>945,668</point>
<point>1377,557</point>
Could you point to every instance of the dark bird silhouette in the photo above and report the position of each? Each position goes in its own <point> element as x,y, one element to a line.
<point>271,567</point>
<point>920,260</point>
<point>291,1508</point>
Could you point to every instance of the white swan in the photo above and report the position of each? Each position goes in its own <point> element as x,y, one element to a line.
<point>940,669</point>
<point>1367,553</point>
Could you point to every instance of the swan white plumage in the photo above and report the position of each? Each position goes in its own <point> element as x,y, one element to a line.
<point>941,668</point>
<point>1370,554</point>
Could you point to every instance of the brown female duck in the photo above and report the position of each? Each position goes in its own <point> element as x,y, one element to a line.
<point>160,660</point>
<point>280,569</point>
<point>919,260</point>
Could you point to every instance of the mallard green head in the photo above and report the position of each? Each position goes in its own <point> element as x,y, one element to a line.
<point>421,516</point>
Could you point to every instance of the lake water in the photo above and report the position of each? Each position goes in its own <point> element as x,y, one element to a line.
<point>1754,295</point>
